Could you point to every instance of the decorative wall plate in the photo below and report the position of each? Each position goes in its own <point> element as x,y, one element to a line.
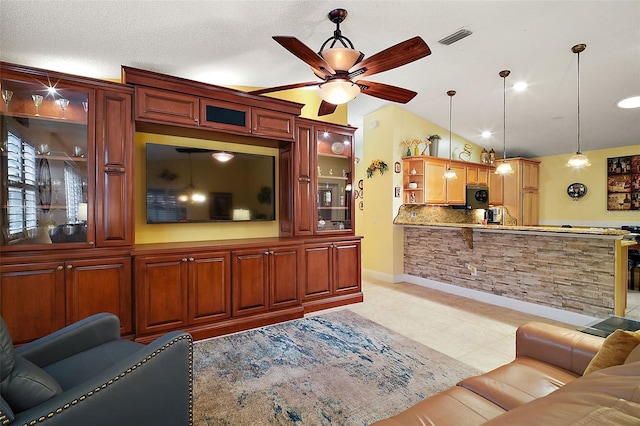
<point>337,148</point>
<point>576,190</point>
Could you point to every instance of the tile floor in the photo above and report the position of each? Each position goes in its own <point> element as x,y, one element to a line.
<point>476,333</point>
<point>633,305</point>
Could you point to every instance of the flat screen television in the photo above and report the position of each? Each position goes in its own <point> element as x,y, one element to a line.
<point>187,184</point>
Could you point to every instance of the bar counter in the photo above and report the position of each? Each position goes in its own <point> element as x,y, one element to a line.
<point>578,270</point>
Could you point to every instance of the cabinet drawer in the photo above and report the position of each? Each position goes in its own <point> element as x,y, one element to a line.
<point>166,107</point>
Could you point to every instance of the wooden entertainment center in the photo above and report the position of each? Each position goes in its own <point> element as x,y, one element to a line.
<point>68,242</point>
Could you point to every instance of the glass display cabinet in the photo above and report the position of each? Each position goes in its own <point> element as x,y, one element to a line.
<point>44,191</point>
<point>334,181</point>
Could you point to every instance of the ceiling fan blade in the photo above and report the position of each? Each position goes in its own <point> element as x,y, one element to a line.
<point>285,87</point>
<point>326,108</point>
<point>386,91</point>
<point>303,52</point>
<point>393,57</point>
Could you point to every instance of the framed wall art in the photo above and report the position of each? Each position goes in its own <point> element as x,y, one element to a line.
<point>623,183</point>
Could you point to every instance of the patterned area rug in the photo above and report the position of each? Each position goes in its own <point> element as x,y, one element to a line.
<point>333,369</point>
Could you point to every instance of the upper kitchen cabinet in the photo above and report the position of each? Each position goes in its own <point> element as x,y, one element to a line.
<point>65,161</point>
<point>428,185</point>
<point>521,191</point>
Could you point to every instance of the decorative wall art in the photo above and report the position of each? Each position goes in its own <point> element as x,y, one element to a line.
<point>623,183</point>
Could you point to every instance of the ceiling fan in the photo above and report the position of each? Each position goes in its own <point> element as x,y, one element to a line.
<point>340,68</point>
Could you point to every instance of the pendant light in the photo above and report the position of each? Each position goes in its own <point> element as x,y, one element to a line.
<point>450,174</point>
<point>578,160</point>
<point>504,168</point>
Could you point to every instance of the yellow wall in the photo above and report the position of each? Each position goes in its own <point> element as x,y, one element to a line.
<point>557,208</point>
<point>155,233</point>
<point>384,130</point>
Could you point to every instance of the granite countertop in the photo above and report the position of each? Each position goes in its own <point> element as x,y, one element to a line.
<point>420,215</point>
<point>541,229</point>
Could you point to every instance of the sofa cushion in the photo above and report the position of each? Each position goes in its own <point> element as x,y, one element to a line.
<point>6,351</point>
<point>27,385</point>
<point>609,396</point>
<point>614,350</point>
<point>518,382</point>
<point>454,407</point>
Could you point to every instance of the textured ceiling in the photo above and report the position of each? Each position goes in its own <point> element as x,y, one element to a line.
<point>229,43</point>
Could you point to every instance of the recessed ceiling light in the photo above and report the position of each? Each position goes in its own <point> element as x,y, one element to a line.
<point>520,86</point>
<point>486,134</point>
<point>632,102</point>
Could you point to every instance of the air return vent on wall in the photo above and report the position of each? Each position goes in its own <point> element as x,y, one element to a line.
<point>458,35</point>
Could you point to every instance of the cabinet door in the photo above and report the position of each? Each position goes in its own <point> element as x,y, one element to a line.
<point>334,185</point>
<point>346,267</point>
<point>456,188</point>
<point>495,189</point>
<point>530,208</point>
<point>161,293</point>
<point>530,175</point>
<point>304,164</point>
<point>250,282</point>
<point>483,176</point>
<point>162,106</point>
<point>226,116</point>
<point>114,158</point>
<point>102,285</point>
<point>435,185</point>
<point>472,175</point>
<point>209,287</point>
<point>285,269</point>
<point>272,124</point>
<point>317,281</point>
<point>32,299</point>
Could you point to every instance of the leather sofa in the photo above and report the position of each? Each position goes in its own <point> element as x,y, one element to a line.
<point>542,386</point>
<point>85,374</point>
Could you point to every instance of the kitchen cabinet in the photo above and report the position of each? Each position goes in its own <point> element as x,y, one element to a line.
<point>413,180</point>
<point>165,107</point>
<point>265,279</point>
<point>323,175</point>
<point>332,274</point>
<point>39,298</point>
<point>477,174</point>
<point>495,189</point>
<point>177,290</point>
<point>439,190</point>
<point>521,193</point>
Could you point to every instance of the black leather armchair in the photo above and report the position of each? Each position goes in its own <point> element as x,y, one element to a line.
<point>85,374</point>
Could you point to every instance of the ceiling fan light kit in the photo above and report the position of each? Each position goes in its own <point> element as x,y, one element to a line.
<point>340,67</point>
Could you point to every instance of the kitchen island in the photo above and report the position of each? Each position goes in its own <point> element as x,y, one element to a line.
<point>576,270</point>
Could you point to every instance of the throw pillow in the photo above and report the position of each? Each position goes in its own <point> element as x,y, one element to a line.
<point>27,385</point>
<point>614,350</point>
<point>634,356</point>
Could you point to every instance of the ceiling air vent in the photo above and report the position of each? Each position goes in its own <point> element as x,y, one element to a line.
<point>458,35</point>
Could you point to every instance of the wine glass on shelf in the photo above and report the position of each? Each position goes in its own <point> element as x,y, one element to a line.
<point>85,106</point>
<point>6,97</point>
<point>56,184</point>
<point>37,101</point>
<point>64,103</point>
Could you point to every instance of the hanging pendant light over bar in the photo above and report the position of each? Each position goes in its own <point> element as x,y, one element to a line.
<point>504,168</point>
<point>450,174</point>
<point>578,160</point>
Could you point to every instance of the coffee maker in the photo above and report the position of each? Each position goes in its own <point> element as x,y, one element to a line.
<point>494,215</point>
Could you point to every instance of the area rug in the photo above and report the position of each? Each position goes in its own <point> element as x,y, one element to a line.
<point>333,369</point>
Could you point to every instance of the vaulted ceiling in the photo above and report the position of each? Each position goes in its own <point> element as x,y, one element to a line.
<point>229,43</point>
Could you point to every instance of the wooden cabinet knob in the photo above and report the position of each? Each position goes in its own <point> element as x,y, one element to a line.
<point>191,259</point>
<point>184,259</point>
<point>59,268</point>
<point>69,266</point>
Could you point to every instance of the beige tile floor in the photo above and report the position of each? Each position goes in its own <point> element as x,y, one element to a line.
<point>633,305</point>
<point>478,334</point>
